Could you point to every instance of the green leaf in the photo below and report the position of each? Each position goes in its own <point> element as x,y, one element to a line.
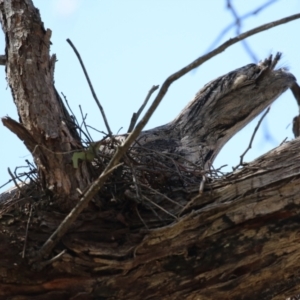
<point>87,154</point>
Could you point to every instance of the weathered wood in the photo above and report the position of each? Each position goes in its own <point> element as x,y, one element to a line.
<point>239,240</point>
<point>45,126</point>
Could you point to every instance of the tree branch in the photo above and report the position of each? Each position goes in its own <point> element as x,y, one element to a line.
<point>196,63</point>
<point>252,138</point>
<point>91,88</point>
<point>243,17</point>
<point>136,115</point>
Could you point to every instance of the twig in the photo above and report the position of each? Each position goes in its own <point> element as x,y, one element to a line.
<point>69,107</point>
<point>154,212</point>
<point>135,182</point>
<point>85,126</point>
<point>43,264</point>
<point>140,217</point>
<point>6,183</point>
<point>176,167</point>
<point>100,131</point>
<point>219,169</point>
<point>119,130</point>
<point>75,121</point>
<point>158,193</point>
<point>252,138</point>
<point>216,172</point>
<point>238,25</point>
<point>169,155</point>
<point>26,233</point>
<point>136,115</point>
<point>72,115</point>
<point>245,16</point>
<point>114,162</point>
<point>158,206</point>
<point>91,87</point>
<point>14,180</point>
<point>193,200</point>
<point>283,142</point>
<point>202,183</point>
<point>53,152</point>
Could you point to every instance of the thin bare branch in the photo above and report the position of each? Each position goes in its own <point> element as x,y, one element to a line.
<point>135,182</point>
<point>136,115</point>
<point>69,107</point>
<point>202,183</point>
<point>91,87</point>
<point>163,195</point>
<point>6,183</point>
<point>140,217</point>
<point>14,180</point>
<point>50,261</point>
<point>284,140</point>
<point>89,137</point>
<point>161,208</point>
<point>252,138</point>
<point>243,17</point>
<point>99,131</point>
<point>26,233</point>
<point>238,24</point>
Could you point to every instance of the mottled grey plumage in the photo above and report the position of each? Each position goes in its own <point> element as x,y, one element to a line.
<point>219,110</point>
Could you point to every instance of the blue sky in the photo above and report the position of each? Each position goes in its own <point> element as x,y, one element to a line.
<point>128,46</point>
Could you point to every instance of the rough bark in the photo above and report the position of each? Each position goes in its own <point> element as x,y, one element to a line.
<point>239,240</point>
<point>236,240</point>
<point>44,125</point>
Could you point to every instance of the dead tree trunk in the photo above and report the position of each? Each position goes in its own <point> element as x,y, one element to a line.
<point>44,126</point>
<point>153,236</point>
